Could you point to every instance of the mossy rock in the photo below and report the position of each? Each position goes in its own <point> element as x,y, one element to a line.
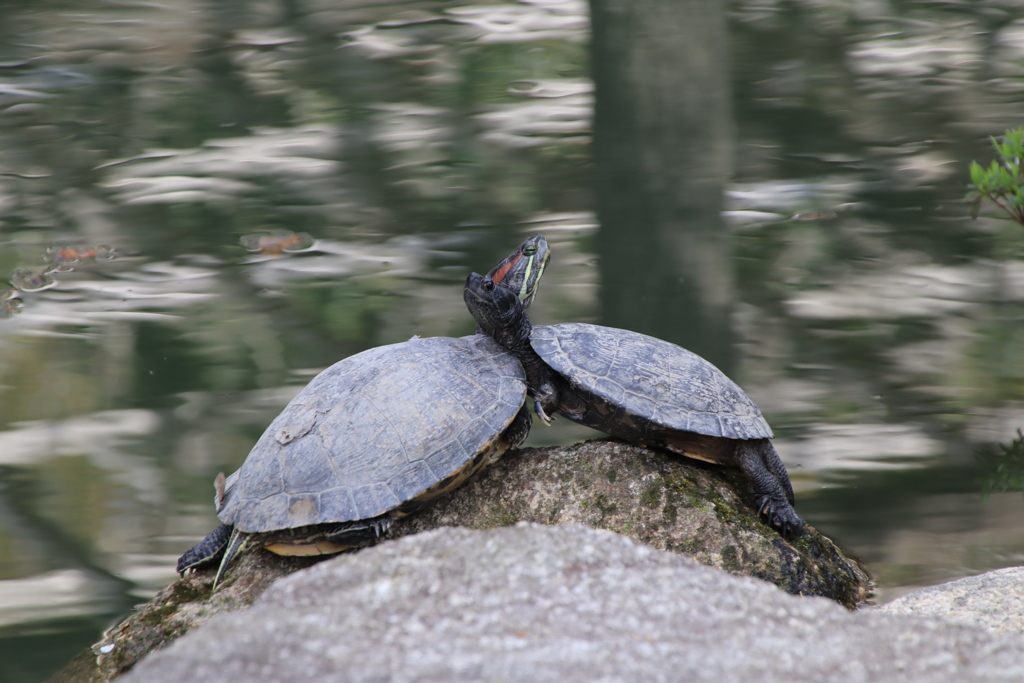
<point>179,608</point>
<point>657,498</point>
<point>654,497</point>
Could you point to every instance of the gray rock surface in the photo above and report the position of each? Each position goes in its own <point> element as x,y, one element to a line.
<point>666,501</point>
<point>174,611</point>
<point>567,603</point>
<point>994,600</point>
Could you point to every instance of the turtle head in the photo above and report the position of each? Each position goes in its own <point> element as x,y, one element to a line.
<point>520,271</point>
<point>498,311</point>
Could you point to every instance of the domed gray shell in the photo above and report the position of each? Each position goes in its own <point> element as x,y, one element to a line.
<point>651,378</point>
<point>376,430</point>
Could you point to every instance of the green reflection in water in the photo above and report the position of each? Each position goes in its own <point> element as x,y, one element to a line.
<point>168,363</point>
<point>440,143</point>
<point>34,657</point>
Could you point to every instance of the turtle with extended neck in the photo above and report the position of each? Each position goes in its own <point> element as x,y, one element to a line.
<point>374,437</point>
<point>640,389</point>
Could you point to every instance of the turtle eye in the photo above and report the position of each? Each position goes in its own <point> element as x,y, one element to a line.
<point>530,250</point>
<point>488,285</point>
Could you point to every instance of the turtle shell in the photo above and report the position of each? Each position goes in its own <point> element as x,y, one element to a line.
<point>647,380</point>
<point>375,431</point>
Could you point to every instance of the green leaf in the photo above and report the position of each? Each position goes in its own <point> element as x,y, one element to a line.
<point>977,173</point>
<point>1002,182</point>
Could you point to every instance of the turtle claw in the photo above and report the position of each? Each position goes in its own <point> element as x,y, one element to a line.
<point>781,516</point>
<point>541,413</point>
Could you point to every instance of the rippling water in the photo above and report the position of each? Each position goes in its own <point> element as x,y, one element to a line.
<point>202,204</point>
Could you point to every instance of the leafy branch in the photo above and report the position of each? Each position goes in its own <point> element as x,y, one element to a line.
<point>1002,183</point>
<point>1003,470</point>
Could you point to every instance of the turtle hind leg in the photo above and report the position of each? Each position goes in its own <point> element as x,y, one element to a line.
<point>519,429</point>
<point>773,462</point>
<point>770,495</point>
<point>207,552</point>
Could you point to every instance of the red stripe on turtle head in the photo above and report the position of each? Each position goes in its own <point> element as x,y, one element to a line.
<point>500,273</point>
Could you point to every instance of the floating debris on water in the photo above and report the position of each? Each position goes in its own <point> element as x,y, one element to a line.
<point>104,252</point>
<point>30,281</point>
<point>64,256</point>
<point>10,305</point>
<point>58,260</point>
<point>807,216</point>
<point>273,244</point>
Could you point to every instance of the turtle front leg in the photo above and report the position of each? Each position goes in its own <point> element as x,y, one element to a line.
<point>554,394</point>
<point>541,382</point>
<point>207,552</point>
<point>771,496</point>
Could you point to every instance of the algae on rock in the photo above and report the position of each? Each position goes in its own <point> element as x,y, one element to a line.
<point>659,499</point>
<point>655,497</point>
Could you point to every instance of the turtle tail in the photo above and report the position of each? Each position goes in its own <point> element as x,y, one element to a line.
<point>239,541</point>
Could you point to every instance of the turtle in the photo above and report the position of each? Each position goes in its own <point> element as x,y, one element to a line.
<point>375,437</point>
<point>640,389</point>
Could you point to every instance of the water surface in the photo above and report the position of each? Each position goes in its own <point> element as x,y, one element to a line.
<point>203,204</point>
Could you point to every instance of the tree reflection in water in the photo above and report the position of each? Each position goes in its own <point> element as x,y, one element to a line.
<point>663,149</point>
<point>778,187</point>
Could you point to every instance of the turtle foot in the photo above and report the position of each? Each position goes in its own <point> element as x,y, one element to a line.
<point>781,516</point>
<point>769,484</point>
<point>206,553</point>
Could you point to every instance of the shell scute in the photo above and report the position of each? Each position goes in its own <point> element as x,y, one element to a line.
<point>640,404</point>
<point>374,500</point>
<point>444,461</point>
<point>307,468</point>
<point>705,423</point>
<point>409,482</point>
<point>610,389</point>
<point>297,426</point>
<point>337,503</point>
<point>269,483</point>
<point>302,509</point>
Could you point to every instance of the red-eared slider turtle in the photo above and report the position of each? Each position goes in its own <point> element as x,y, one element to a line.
<point>641,389</point>
<point>374,437</point>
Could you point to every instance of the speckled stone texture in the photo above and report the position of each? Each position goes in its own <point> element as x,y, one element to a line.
<point>565,604</point>
<point>667,501</point>
<point>177,609</point>
<point>994,600</point>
